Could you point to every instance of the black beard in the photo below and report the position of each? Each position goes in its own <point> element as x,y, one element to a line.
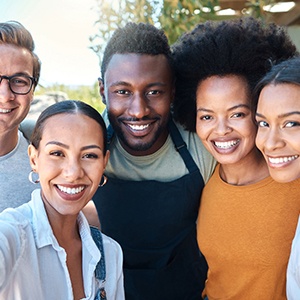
<point>142,146</point>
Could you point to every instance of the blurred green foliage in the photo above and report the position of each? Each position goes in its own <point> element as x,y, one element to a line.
<point>173,16</point>
<point>87,94</point>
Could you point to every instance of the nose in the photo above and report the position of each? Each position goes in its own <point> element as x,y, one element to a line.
<point>273,140</point>
<point>138,106</point>
<point>222,127</point>
<point>5,93</point>
<point>73,170</point>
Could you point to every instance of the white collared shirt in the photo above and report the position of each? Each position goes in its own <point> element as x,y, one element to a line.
<point>293,270</point>
<point>33,265</point>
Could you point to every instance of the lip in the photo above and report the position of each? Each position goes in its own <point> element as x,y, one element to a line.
<point>139,128</point>
<point>281,161</point>
<point>5,111</point>
<point>227,146</point>
<point>70,192</point>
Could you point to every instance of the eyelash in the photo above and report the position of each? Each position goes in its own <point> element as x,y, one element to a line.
<point>90,155</point>
<point>205,118</point>
<point>236,115</point>
<point>294,124</point>
<point>56,153</point>
<point>150,93</point>
<point>87,155</point>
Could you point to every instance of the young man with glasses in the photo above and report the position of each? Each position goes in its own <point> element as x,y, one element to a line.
<point>19,75</point>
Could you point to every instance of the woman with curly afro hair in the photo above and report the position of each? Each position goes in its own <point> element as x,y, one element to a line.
<point>246,222</point>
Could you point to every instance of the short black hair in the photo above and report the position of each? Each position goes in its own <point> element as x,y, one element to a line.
<point>245,47</point>
<point>137,38</point>
<point>67,107</point>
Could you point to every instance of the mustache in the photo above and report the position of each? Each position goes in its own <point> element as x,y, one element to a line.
<point>122,119</point>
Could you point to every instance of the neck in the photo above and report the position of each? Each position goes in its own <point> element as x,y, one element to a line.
<point>249,170</point>
<point>8,141</point>
<point>64,227</point>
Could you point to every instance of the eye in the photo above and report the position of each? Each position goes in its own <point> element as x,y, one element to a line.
<point>292,124</point>
<point>262,124</point>
<point>122,92</point>
<point>20,81</point>
<point>205,118</point>
<point>238,115</point>
<point>56,153</point>
<point>154,92</point>
<point>90,155</point>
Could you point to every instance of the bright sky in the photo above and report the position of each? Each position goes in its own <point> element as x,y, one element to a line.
<point>61,30</point>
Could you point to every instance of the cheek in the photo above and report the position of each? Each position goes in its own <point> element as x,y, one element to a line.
<point>259,140</point>
<point>202,131</point>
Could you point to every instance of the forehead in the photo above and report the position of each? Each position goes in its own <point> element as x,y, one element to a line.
<point>15,59</point>
<point>283,98</point>
<point>72,126</point>
<point>124,67</point>
<point>223,90</point>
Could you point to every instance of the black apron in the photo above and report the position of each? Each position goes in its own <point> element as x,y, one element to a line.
<point>155,224</point>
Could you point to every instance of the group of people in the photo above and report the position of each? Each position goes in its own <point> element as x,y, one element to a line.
<point>191,173</point>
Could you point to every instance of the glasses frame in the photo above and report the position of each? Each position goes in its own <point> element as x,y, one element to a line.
<point>33,80</point>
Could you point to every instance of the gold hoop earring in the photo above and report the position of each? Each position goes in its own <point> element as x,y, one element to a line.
<point>103,181</point>
<point>30,178</point>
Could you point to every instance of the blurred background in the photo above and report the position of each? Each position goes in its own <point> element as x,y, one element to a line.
<point>70,35</point>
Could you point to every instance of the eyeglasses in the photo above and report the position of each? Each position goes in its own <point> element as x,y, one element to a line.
<point>19,84</point>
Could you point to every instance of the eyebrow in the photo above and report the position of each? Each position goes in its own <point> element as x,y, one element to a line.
<point>117,83</point>
<point>280,116</point>
<point>230,109</point>
<point>67,147</point>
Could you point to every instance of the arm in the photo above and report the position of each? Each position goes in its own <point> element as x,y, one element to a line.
<point>11,245</point>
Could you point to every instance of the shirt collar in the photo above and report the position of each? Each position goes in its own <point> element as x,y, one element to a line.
<point>43,233</point>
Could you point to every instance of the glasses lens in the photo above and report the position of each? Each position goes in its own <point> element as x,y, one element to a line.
<point>20,84</point>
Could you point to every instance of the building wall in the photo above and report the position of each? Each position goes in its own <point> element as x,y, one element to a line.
<point>294,32</point>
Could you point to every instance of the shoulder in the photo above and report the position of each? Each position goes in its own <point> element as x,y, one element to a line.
<point>26,127</point>
<point>191,138</point>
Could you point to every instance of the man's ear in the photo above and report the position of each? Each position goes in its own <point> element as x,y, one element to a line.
<point>33,154</point>
<point>101,90</point>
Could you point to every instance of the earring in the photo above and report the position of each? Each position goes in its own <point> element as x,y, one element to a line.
<point>30,177</point>
<point>103,181</point>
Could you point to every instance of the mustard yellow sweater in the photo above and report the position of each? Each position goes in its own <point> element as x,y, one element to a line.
<point>245,233</point>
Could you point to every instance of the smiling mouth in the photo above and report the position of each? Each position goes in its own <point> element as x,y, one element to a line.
<point>226,145</point>
<point>71,191</point>
<point>5,111</point>
<point>280,160</point>
<point>138,127</point>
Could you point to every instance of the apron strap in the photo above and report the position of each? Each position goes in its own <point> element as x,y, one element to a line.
<point>100,271</point>
<point>179,143</point>
<point>181,147</point>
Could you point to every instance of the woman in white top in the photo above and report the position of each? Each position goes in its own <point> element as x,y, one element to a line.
<point>278,138</point>
<point>47,250</point>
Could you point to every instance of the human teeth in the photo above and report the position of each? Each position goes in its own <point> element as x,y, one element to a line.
<point>5,111</point>
<point>70,191</point>
<point>280,160</point>
<point>138,127</point>
<point>226,145</point>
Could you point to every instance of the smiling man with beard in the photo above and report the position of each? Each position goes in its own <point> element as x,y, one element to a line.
<point>156,170</point>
